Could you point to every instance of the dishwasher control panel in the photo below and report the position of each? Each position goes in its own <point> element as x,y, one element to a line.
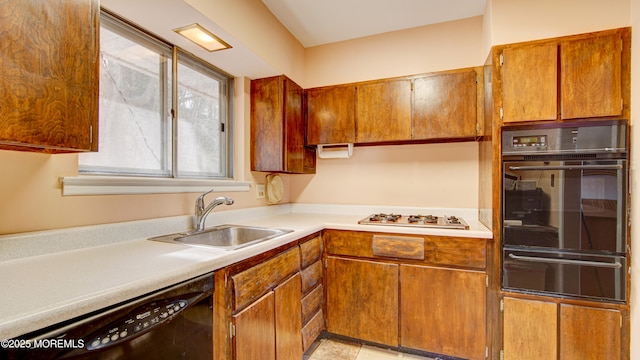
<point>139,321</point>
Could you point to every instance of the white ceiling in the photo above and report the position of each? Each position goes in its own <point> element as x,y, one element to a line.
<point>312,22</point>
<point>316,22</point>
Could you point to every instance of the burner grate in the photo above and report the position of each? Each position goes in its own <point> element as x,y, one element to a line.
<point>449,222</point>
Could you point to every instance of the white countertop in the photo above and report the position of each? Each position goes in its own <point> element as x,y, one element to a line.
<point>52,276</point>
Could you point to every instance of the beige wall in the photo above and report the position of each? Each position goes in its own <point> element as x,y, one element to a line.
<point>450,45</point>
<point>426,175</point>
<point>523,20</point>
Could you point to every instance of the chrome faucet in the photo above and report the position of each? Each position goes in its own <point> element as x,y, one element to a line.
<point>202,212</point>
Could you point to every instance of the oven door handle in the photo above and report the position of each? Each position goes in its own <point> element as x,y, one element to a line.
<point>567,167</point>
<point>615,265</point>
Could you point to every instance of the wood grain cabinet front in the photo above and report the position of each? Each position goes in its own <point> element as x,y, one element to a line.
<point>362,300</point>
<point>453,297</point>
<point>445,105</point>
<point>331,114</point>
<point>422,292</point>
<point>257,311</point>
<point>383,111</point>
<point>312,275</point>
<point>576,77</point>
<point>270,327</point>
<point>438,106</point>
<point>49,75</point>
<point>278,128</point>
<point>538,329</point>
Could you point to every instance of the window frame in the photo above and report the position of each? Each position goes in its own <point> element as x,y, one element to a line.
<point>105,183</point>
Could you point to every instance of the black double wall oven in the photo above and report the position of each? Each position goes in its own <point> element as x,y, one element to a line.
<point>565,210</point>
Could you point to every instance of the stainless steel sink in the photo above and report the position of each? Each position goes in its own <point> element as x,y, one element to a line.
<point>228,237</point>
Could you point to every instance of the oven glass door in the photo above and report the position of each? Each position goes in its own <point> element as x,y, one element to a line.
<point>598,277</point>
<point>566,205</point>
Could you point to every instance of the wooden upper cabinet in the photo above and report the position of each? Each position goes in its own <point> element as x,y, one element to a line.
<point>277,127</point>
<point>530,83</point>
<point>383,111</point>
<point>591,77</point>
<point>331,114</point>
<point>445,105</point>
<point>581,76</point>
<point>49,73</point>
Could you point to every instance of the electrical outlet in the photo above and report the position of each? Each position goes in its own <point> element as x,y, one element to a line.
<point>260,191</point>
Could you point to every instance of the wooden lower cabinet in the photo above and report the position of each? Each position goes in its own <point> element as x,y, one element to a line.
<point>362,299</point>
<point>288,319</point>
<point>530,329</point>
<point>589,333</point>
<point>443,311</point>
<point>255,331</point>
<point>270,327</point>
<point>535,329</point>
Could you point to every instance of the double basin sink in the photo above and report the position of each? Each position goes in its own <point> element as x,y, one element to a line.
<point>227,237</point>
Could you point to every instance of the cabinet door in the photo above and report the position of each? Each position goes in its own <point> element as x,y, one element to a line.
<point>255,336</point>
<point>267,128</point>
<point>443,311</point>
<point>591,77</point>
<point>383,111</point>
<point>530,83</point>
<point>362,300</point>
<point>445,105</point>
<point>277,127</point>
<point>530,329</point>
<point>288,319</point>
<point>49,75</point>
<point>293,128</point>
<point>589,333</point>
<point>331,115</point>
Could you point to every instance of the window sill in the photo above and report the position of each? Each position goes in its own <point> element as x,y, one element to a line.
<point>115,185</point>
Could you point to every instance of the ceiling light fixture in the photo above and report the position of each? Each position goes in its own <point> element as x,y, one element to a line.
<point>202,37</point>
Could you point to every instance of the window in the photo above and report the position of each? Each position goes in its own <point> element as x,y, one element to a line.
<point>163,112</point>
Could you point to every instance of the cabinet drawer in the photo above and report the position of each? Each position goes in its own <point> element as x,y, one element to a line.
<point>252,283</point>
<point>402,247</point>
<point>311,330</point>
<point>311,304</point>
<point>310,251</point>
<point>349,243</point>
<point>455,251</point>
<point>438,250</point>
<point>311,276</point>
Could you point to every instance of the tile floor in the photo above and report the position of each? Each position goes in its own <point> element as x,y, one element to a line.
<point>333,349</point>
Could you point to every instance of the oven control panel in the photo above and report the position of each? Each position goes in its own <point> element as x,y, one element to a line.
<point>530,141</point>
<point>589,137</point>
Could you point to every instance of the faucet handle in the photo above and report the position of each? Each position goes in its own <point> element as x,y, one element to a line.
<point>200,200</point>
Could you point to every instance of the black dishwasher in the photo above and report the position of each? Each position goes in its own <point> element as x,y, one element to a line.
<point>172,323</point>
